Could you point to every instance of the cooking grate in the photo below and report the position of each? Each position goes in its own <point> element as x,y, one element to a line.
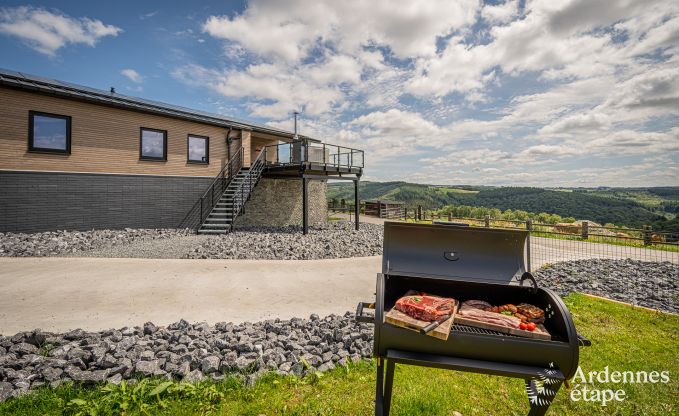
<point>479,331</point>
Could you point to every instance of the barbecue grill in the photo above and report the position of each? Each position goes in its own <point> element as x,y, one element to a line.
<point>468,263</point>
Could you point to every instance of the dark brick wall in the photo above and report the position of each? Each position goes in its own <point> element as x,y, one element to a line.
<point>41,201</point>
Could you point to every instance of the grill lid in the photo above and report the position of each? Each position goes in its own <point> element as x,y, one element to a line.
<point>482,255</point>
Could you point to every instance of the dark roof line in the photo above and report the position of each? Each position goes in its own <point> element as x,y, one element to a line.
<point>79,92</point>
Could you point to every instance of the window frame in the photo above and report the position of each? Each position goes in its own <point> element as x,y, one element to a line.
<point>31,131</point>
<point>141,140</point>
<point>207,149</point>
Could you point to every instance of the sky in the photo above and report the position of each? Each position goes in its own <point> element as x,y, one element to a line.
<point>521,93</point>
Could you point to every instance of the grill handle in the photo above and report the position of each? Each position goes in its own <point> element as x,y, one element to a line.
<point>359,312</point>
<point>529,276</point>
<point>584,342</point>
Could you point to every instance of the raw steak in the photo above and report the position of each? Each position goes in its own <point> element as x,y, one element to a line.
<point>425,307</point>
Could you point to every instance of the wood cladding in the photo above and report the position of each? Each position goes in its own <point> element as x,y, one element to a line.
<point>104,139</point>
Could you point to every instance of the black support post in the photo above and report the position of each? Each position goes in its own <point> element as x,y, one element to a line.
<point>388,384</point>
<point>305,205</point>
<point>379,388</point>
<point>357,206</point>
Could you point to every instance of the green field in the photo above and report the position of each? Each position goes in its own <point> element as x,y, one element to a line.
<point>631,207</point>
<point>624,339</point>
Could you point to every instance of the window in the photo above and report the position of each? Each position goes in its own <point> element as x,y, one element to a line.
<point>49,133</point>
<point>153,144</point>
<point>198,149</point>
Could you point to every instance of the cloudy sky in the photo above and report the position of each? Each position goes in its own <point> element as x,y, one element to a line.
<point>548,93</point>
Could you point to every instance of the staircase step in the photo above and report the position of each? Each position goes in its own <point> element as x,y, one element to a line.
<point>221,225</point>
<point>201,231</point>
<point>222,214</point>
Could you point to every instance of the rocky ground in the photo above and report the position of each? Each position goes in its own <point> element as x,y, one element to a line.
<point>337,239</point>
<point>649,284</point>
<point>181,351</point>
<point>333,240</point>
<point>56,243</point>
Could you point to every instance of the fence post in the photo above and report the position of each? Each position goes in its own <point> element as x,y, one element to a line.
<point>486,221</point>
<point>405,214</point>
<point>419,212</point>
<point>585,230</point>
<point>529,228</point>
<point>450,217</point>
<point>648,240</point>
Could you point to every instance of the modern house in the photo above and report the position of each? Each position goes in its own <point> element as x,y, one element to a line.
<point>77,158</point>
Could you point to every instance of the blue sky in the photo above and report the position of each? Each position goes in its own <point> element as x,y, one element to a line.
<point>547,93</point>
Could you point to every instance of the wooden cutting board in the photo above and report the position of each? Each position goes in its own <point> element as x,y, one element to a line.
<point>539,333</point>
<point>400,319</point>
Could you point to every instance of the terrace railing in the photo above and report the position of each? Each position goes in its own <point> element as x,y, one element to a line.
<point>201,209</point>
<point>304,151</point>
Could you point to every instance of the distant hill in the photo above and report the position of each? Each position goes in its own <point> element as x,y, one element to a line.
<point>611,205</point>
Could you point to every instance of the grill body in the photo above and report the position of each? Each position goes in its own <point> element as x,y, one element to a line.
<point>474,343</point>
<point>467,263</point>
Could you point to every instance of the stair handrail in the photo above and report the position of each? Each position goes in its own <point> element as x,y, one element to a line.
<point>233,166</point>
<point>242,193</point>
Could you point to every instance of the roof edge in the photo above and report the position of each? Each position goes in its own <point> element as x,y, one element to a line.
<point>33,83</point>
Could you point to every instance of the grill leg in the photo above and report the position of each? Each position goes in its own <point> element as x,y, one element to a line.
<point>540,401</point>
<point>379,396</point>
<point>388,383</point>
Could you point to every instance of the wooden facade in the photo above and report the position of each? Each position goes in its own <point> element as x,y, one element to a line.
<point>105,139</point>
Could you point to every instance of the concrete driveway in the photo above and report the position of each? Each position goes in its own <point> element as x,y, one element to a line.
<point>58,294</point>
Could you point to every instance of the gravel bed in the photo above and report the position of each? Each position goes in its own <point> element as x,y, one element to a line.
<point>174,247</point>
<point>57,243</point>
<point>331,241</point>
<point>650,284</point>
<point>181,351</point>
<point>334,240</point>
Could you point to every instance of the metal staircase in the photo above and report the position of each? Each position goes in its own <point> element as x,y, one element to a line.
<point>232,201</point>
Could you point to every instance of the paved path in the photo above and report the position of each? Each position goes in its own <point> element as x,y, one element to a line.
<point>552,250</point>
<point>58,294</point>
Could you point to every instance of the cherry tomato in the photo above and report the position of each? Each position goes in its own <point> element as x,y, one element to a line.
<point>531,326</point>
<point>523,326</point>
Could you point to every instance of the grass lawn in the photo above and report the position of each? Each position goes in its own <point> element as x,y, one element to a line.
<point>624,339</point>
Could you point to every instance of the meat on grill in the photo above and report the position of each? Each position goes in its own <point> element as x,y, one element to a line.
<point>425,307</point>
<point>490,317</point>
<point>532,313</point>
<point>479,304</point>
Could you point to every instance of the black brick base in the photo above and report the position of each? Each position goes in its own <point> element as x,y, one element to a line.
<point>40,201</point>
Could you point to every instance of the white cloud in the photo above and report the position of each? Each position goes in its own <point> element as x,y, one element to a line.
<point>132,75</point>
<point>289,30</point>
<point>500,13</point>
<point>48,31</point>
<point>148,15</point>
<point>470,89</point>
